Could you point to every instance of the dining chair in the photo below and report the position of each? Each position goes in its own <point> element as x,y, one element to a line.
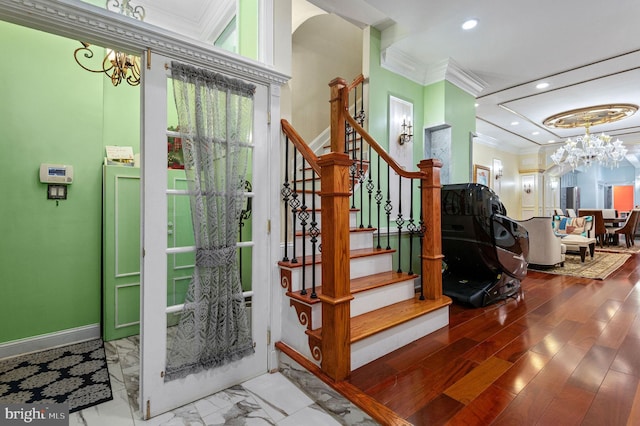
<point>628,229</point>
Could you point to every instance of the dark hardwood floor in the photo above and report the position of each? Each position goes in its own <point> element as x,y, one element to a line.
<point>566,352</point>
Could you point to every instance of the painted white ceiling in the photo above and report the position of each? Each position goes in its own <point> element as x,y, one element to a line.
<point>588,51</point>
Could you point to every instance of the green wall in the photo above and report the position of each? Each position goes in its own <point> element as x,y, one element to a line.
<point>53,111</point>
<point>248,28</point>
<point>435,104</point>
<point>383,83</point>
<point>445,103</point>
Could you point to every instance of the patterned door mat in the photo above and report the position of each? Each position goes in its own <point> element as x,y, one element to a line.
<point>76,374</point>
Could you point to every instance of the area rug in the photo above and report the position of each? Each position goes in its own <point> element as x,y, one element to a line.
<point>76,374</point>
<point>620,249</point>
<point>600,267</point>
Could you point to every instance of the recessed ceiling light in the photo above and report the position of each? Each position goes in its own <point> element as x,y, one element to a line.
<point>469,24</point>
<point>535,133</point>
<point>514,123</point>
<point>475,105</point>
<point>550,141</point>
<point>542,85</point>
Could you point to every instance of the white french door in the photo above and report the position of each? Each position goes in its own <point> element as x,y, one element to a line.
<point>156,395</point>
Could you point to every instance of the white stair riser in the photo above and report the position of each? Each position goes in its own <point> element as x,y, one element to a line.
<point>380,297</point>
<point>360,266</point>
<point>380,344</point>
<point>371,300</point>
<point>357,240</point>
<point>353,221</point>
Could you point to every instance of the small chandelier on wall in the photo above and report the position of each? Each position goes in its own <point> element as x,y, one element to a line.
<point>587,149</point>
<point>116,65</point>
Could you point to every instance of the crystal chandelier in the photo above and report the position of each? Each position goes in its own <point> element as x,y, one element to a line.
<point>587,149</point>
<point>116,65</point>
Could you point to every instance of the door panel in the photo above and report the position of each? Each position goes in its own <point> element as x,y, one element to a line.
<point>121,241</point>
<point>165,247</point>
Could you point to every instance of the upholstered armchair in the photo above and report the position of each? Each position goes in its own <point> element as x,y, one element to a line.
<point>572,225</point>
<point>545,247</point>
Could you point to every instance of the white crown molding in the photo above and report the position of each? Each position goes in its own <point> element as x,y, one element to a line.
<point>465,80</point>
<point>396,61</point>
<point>77,20</point>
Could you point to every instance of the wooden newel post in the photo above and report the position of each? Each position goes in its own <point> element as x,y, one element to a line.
<point>336,293</point>
<point>432,241</point>
<point>339,100</point>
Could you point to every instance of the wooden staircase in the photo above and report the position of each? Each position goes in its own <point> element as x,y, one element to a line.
<point>348,305</point>
<point>386,312</point>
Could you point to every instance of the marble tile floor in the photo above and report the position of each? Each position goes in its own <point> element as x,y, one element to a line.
<point>292,396</point>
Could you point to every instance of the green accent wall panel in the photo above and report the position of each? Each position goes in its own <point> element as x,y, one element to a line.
<point>127,305</point>
<point>121,254</point>
<point>127,224</point>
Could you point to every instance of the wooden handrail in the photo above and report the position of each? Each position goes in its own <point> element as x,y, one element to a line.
<point>381,152</point>
<point>301,145</point>
<point>359,79</point>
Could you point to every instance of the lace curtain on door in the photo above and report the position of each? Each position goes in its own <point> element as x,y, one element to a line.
<point>215,115</point>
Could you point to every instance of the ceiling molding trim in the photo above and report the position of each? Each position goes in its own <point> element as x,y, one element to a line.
<point>96,25</point>
<point>451,71</point>
<point>216,19</point>
<point>394,60</point>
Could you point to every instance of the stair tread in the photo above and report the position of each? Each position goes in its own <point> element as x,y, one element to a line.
<point>357,285</point>
<point>370,323</point>
<point>352,255</point>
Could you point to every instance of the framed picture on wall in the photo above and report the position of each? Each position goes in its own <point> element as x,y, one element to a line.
<point>481,174</point>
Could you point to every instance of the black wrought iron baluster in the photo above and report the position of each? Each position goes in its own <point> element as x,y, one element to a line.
<point>286,195</point>
<point>294,204</point>
<point>412,228</point>
<point>399,223</point>
<point>303,215</point>
<point>369,187</point>
<point>347,136</point>
<point>388,207</point>
<point>379,200</point>
<point>422,230</point>
<point>353,168</point>
<point>361,180</point>
<point>313,232</point>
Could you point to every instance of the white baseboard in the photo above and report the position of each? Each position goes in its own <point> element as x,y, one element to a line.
<point>50,340</point>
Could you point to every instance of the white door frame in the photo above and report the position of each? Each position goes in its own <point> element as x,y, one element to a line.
<point>158,396</point>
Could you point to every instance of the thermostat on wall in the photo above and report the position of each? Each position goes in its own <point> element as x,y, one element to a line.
<point>56,173</point>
